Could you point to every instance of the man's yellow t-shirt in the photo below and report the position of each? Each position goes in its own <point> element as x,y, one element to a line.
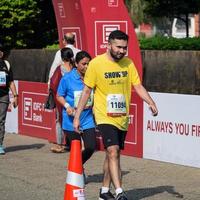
<point>112,83</point>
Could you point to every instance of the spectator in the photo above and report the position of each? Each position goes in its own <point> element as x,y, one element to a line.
<point>6,84</point>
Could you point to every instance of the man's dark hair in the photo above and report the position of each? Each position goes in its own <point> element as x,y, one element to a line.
<point>82,54</point>
<point>119,35</point>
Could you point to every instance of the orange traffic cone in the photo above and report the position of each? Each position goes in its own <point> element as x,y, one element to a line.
<point>74,188</point>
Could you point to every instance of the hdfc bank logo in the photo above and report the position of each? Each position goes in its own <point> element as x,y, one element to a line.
<point>103,30</point>
<point>33,110</point>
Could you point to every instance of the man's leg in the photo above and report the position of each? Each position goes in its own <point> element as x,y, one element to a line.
<point>113,140</point>
<point>4,102</point>
<point>106,171</point>
<point>113,154</point>
<point>58,147</point>
<point>105,189</point>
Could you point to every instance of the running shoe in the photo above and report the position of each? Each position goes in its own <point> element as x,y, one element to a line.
<point>2,151</point>
<point>106,196</point>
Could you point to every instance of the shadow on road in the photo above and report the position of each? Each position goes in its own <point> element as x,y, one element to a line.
<point>24,147</point>
<point>141,193</point>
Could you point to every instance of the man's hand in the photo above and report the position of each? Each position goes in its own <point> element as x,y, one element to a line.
<point>153,109</point>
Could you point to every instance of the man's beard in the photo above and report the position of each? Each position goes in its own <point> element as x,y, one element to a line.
<point>116,57</point>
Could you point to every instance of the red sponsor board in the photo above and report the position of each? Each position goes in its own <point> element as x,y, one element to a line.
<point>92,21</point>
<point>34,119</point>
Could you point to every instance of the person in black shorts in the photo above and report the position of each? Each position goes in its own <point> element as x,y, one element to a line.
<point>112,76</point>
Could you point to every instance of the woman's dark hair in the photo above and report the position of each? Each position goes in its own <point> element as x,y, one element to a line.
<point>67,55</point>
<point>82,54</point>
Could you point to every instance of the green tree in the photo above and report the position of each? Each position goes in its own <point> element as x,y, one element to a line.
<point>135,9</point>
<point>173,9</point>
<point>27,23</point>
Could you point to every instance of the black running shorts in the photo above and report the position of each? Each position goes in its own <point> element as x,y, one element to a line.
<point>111,135</point>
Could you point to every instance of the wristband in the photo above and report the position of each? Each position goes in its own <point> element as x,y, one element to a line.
<point>66,105</point>
<point>15,95</point>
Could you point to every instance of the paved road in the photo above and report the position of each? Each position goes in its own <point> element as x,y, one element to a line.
<point>29,171</point>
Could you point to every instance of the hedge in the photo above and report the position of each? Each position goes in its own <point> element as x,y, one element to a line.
<point>169,43</point>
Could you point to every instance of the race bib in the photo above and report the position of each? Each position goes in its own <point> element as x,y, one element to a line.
<point>77,95</point>
<point>2,79</point>
<point>116,105</point>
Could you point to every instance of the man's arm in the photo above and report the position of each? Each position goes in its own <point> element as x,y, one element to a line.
<point>81,104</point>
<point>142,92</point>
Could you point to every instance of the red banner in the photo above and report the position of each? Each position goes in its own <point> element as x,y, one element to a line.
<point>34,119</point>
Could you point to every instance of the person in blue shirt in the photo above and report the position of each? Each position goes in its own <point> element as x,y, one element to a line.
<point>68,94</point>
